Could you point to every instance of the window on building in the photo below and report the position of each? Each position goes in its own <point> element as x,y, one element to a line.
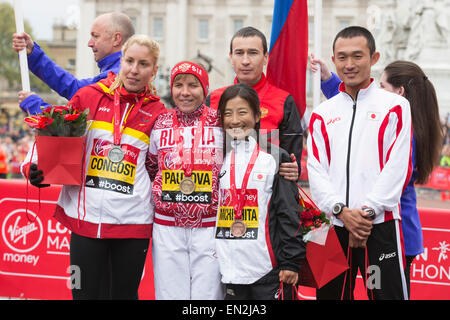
<point>343,23</point>
<point>158,28</point>
<point>238,23</point>
<point>309,82</point>
<point>310,30</point>
<point>134,21</point>
<point>203,29</point>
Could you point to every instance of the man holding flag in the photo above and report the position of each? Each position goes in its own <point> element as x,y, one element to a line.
<point>279,113</point>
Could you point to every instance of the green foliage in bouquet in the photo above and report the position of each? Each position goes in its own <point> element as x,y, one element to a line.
<point>59,121</point>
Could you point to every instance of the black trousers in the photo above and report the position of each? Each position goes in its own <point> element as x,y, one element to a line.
<point>409,261</point>
<point>385,278</point>
<point>112,266</point>
<point>266,288</point>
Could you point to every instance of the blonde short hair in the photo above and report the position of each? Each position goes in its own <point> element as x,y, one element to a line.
<point>153,48</point>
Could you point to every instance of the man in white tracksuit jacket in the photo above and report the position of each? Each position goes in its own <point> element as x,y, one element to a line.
<point>359,150</point>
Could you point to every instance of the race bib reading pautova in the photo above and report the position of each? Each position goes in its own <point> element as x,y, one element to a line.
<point>171,192</point>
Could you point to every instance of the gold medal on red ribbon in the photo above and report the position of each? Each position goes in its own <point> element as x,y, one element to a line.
<point>187,186</point>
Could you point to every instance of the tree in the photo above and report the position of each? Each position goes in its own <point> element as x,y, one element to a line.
<point>9,61</point>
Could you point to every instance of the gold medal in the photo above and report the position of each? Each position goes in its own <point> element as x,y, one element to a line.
<point>238,228</point>
<point>187,186</point>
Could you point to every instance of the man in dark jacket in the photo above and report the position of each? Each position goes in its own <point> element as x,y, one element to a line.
<point>108,33</point>
<point>279,114</point>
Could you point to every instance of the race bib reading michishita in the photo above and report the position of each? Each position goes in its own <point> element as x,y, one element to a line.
<point>171,187</point>
<point>250,215</point>
<point>104,174</point>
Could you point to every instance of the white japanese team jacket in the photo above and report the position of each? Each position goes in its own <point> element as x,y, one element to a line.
<point>359,152</point>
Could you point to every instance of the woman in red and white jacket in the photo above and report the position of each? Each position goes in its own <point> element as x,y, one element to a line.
<point>114,230</point>
<point>186,145</point>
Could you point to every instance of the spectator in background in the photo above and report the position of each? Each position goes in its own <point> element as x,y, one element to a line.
<point>445,159</point>
<point>15,139</point>
<point>446,125</point>
<point>3,163</point>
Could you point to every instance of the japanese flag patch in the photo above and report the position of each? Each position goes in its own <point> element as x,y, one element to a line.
<point>373,115</point>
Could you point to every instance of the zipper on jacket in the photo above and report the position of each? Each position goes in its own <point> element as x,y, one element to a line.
<point>347,193</point>
<point>99,228</point>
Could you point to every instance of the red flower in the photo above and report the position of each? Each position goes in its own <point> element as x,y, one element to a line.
<point>47,110</point>
<point>71,117</point>
<point>38,122</point>
<point>307,215</point>
<point>60,109</point>
<point>308,223</point>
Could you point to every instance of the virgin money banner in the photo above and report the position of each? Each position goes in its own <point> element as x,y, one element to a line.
<point>34,247</point>
<point>430,271</point>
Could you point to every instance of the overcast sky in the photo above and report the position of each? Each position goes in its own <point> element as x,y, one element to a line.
<point>41,14</point>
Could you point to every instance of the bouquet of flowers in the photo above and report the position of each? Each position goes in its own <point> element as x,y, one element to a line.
<point>311,220</point>
<point>325,259</point>
<point>314,223</point>
<point>60,143</point>
<point>59,121</point>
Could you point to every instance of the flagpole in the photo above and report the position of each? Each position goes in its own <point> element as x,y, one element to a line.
<point>22,53</point>
<point>317,50</point>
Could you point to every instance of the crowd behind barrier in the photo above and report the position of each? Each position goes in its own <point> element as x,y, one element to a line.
<point>16,138</point>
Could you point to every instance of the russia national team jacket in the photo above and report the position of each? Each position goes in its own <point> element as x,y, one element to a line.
<point>278,112</point>
<point>60,80</point>
<point>172,207</point>
<point>359,152</point>
<point>273,239</point>
<point>117,195</point>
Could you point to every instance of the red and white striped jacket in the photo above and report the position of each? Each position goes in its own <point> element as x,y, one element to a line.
<point>359,152</point>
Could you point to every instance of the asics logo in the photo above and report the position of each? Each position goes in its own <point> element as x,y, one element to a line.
<point>387,256</point>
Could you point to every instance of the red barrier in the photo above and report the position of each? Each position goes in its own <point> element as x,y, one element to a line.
<point>439,179</point>
<point>34,250</point>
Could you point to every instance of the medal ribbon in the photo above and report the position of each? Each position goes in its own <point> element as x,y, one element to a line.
<point>188,167</point>
<point>239,199</point>
<point>132,112</point>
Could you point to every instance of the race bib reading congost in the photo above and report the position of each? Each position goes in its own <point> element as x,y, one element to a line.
<point>171,180</point>
<point>107,175</point>
<point>250,215</point>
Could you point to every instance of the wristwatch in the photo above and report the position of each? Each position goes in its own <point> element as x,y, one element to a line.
<point>337,208</point>
<point>370,212</point>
